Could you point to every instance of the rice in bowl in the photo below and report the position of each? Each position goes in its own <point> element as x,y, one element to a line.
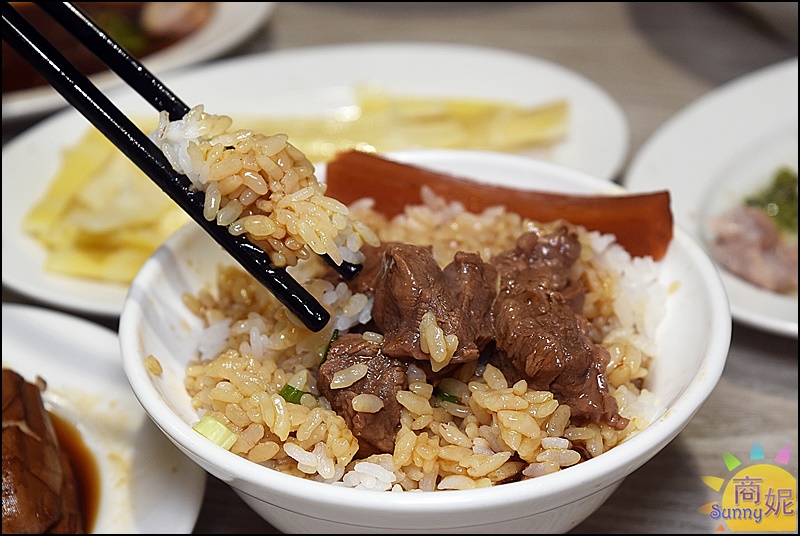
<point>471,428</point>
<point>340,406</point>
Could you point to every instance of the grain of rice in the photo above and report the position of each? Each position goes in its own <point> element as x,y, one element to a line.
<point>153,365</point>
<point>414,403</point>
<point>541,469</point>
<point>237,415</point>
<point>555,443</point>
<point>404,447</point>
<point>579,433</point>
<point>421,422</point>
<point>421,388</point>
<point>451,433</point>
<point>347,377</point>
<point>529,447</point>
<point>506,471</point>
<point>248,438</point>
<point>594,445</point>
<point>367,403</point>
<point>263,451</point>
<point>494,378</point>
<point>229,185</point>
<point>225,392</point>
<point>212,202</point>
<point>544,410</point>
<point>500,400</point>
<point>456,410</point>
<point>481,465</point>
<point>457,482</point>
<point>428,480</point>
<point>454,452</point>
<point>519,421</point>
<point>375,470</point>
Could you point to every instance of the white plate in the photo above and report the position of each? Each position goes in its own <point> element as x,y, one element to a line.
<point>305,82</point>
<point>147,485</point>
<point>230,24</point>
<point>719,148</point>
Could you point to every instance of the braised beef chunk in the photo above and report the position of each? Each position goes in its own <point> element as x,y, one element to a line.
<point>385,377</point>
<point>544,261</point>
<point>524,306</point>
<point>411,284</point>
<point>475,285</point>
<point>367,278</point>
<point>540,337</point>
<point>38,487</point>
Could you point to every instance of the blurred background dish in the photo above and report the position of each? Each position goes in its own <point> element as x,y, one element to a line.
<point>164,35</point>
<point>319,82</point>
<point>313,83</point>
<point>723,147</point>
<point>146,485</point>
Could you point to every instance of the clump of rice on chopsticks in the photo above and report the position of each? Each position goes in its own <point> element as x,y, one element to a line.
<point>261,186</point>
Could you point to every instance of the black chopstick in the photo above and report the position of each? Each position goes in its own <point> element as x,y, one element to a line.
<point>108,119</point>
<point>136,75</point>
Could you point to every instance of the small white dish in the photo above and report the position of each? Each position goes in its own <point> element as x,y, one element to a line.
<point>147,486</point>
<point>311,82</point>
<point>728,144</point>
<point>230,24</point>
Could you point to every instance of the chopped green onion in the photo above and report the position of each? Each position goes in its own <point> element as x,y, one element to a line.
<point>328,346</point>
<point>445,396</point>
<point>291,394</point>
<point>212,429</point>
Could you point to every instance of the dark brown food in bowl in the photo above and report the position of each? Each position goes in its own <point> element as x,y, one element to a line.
<point>142,28</point>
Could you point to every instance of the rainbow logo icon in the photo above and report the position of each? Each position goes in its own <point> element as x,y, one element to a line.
<point>758,497</point>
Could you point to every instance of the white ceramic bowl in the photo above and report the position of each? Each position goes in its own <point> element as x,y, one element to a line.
<point>693,345</point>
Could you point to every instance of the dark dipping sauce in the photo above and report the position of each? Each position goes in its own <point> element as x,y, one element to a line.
<point>84,466</point>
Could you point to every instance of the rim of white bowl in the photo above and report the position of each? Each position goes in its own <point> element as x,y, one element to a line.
<point>612,466</point>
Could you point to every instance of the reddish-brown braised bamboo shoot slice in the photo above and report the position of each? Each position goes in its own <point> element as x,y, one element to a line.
<point>642,223</point>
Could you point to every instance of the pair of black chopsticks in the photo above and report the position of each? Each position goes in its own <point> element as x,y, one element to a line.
<point>108,119</point>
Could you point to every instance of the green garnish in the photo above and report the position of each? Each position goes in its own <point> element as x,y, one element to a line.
<point>328,346</point>
<point>779,200</point>
<point>212,429</point>
<point>290,394</point>
<point>444,396</point>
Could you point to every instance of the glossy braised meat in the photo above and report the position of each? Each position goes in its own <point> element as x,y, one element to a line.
<point>39,488</point>
<point>544,261</point>
<point>411,283</point>
<point>531,328</point>
<point>384,378</point>
<point>367,278</point>
<point>539,335</point>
